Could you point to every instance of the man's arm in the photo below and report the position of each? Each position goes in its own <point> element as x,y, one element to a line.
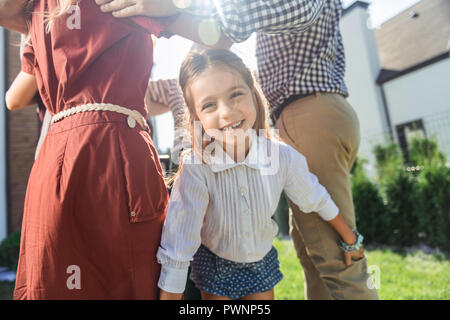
<point>205,32</point>
<point>13,15</point>
<point>200,30</point>
<point>238,18</point>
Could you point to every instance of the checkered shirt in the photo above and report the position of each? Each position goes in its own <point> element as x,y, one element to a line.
<point>168,92</point>
<point>299,45</point>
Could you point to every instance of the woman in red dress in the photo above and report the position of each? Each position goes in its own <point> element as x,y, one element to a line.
<point>96,198</point>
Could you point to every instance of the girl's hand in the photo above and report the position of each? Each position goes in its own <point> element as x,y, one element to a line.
<point>347,235</point>
<point>164,295</point>
<point>356,255</point>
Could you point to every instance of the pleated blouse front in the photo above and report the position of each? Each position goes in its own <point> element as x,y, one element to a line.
<point>228,207</point>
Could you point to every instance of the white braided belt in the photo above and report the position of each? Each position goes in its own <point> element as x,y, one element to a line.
<point>132,114</point>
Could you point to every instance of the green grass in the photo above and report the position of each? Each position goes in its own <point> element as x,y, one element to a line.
<point>403,276</point>
<point>6,290</point>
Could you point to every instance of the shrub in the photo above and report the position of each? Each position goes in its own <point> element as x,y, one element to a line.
<point>425,152</point>
<point>9,251</point>
<point>372,218</point>
<point>405,208</point>
<point>434,194</point>
<point>388,161</point>
<point>401,192</point>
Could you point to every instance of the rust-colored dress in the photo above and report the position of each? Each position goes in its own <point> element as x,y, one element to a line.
<point>96,198</point>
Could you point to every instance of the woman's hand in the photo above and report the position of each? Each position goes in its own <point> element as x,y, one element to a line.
<point>164,295</point>
<point>130,8</point>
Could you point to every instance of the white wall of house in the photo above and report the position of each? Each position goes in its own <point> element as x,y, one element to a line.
<point>423,94</point>
<point>362,69</point>
<point>3,151</point>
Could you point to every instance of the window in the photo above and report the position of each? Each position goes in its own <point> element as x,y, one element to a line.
<point>406,132</point>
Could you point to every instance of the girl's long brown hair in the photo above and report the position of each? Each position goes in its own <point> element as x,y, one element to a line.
<point>193,66</point>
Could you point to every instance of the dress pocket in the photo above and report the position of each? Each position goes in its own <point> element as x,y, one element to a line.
<point>143,177</point>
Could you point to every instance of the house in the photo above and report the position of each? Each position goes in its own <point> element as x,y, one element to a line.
<point>398,74</point>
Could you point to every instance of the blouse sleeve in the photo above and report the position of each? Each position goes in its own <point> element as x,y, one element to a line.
<point>181,232</point>
<point>304,189</point>
<point>28,60</point>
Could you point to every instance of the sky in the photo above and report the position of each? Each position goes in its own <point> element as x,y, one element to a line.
<point>169,53</point>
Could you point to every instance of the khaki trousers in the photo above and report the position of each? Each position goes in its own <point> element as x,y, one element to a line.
<point>325,129</point>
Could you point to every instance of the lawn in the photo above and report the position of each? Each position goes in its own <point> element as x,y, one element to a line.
<point>403,276</point>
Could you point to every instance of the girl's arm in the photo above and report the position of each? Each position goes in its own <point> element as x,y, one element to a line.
<point>13,15</point>
<point>181,236</point>
<point>303,188</point>
<point>22,91</point>
<point>348,237</point>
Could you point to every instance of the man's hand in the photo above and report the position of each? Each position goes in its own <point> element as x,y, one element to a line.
<point>130,8</point>
<point>183,24</point>
<point>11,8</point>
<point>13,15</point>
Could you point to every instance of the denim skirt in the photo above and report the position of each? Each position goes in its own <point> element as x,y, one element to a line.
<point>215,275</point>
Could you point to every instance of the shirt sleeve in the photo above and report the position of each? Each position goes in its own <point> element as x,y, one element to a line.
<point>159,90</point>
<point>154,26</point>
<point>168,92</point>
<point>304,189</point>
<point>28,60</point>
<point>181,232</point>
<point>240,18</point>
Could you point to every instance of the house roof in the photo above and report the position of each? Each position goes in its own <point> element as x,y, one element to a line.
<point>417,35</point>
<point>354,5</point>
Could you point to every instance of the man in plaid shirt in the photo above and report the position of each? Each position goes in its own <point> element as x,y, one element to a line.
<point>301,65</point>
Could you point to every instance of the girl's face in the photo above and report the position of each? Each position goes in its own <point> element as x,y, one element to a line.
<point>224,104</point>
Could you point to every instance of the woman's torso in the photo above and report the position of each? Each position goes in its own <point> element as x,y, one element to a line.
<point>90,57</point>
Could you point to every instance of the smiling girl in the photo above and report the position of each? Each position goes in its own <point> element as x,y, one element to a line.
<point>221,206</point>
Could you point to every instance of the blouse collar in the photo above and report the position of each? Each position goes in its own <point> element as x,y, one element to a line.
<point>257,157</point>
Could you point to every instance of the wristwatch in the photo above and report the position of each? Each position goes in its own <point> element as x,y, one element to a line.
<point>353,247</point>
